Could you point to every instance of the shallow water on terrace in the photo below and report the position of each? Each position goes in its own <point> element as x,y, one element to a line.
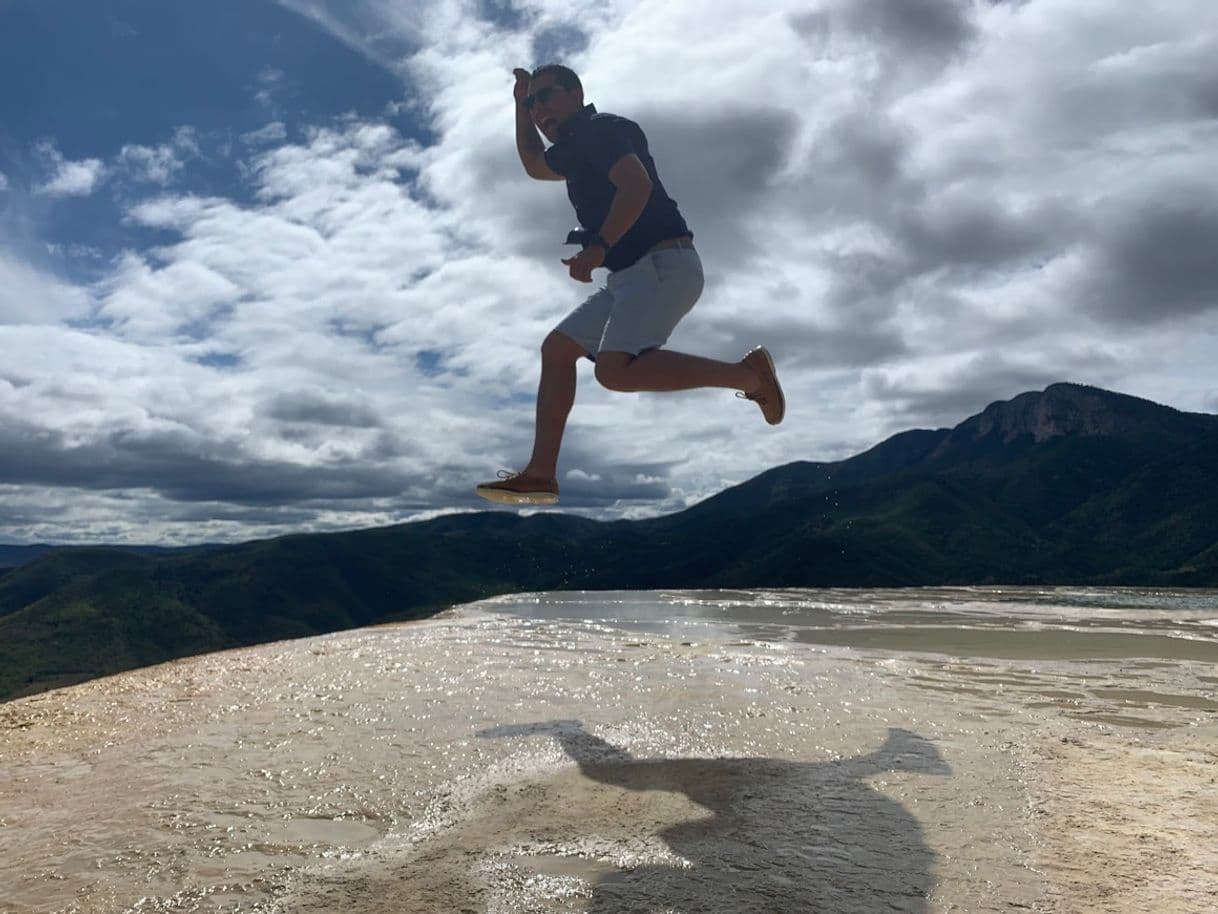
<point>1009,623</point>
<point>317,775</point>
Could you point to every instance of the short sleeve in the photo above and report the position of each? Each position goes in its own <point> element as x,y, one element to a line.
<point>605,141</point>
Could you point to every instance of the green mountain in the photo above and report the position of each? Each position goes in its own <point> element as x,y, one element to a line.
<point>1068,485</point>
<point>12,556</point>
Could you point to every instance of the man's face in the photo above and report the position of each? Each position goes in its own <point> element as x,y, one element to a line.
<point>553,105</point>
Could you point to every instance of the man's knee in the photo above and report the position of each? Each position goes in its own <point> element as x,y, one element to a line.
<point>613,371</point>
<point>558,347</point>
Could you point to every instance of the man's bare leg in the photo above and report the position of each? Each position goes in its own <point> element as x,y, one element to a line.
<point>555,397</point>
<point>663,369</point>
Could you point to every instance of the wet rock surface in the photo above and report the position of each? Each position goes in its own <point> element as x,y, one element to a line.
<point>513,756</point>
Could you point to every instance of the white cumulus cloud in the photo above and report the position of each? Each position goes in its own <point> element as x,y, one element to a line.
<point>68,178</point>
<point>274,132</point>
<point>30,296</point>
<point>159,164</point>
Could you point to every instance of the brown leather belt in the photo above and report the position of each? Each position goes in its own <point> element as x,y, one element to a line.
<point>683,242</point>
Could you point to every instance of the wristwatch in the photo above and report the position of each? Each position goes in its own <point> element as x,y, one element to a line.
<point>593,238</point>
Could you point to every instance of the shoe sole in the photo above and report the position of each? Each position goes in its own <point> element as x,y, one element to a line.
<point>503,497</point>
<point>782,400</point>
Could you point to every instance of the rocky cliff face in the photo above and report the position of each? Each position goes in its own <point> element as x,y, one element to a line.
<point>1080,411</point>
<point>1063,409</point>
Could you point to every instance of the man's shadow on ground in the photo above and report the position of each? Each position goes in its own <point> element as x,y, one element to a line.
<point>779,836</point>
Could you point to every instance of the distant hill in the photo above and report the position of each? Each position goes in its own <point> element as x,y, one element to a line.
<point>1068,485</point>
<point>14,556</point>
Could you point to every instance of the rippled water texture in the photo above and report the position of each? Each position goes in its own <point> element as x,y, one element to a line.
<point>788,751</point>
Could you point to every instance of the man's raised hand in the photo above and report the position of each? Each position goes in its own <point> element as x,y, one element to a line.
<point>521,89</point>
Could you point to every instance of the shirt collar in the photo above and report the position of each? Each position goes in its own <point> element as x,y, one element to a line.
<point>574,124</point>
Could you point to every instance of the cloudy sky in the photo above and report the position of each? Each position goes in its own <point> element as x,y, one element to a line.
<point>274,266</point>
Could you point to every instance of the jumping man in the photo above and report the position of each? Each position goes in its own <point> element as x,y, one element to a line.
<point>631,227</point>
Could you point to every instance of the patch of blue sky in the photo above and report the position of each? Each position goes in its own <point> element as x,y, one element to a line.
<point>81,236</point>
<point>94,321</point>
<point>219,360</point>
<point>521,398</point>
<point>553,44</point>
<point>430,362</point>
<point>202,329</point>
<point>227,65</point>
<point>433,363</point>
<point>223,69</point>
<point>558,44</point>
<point>503,13</point>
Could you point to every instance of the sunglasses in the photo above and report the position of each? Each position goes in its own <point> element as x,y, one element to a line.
<point>542,95</point>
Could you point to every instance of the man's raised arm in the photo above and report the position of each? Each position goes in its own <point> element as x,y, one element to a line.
<point>528,141</point>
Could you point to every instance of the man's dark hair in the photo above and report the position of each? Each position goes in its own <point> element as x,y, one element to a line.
<point>564,76</point>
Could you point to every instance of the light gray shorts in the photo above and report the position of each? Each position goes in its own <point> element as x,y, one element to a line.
<point>638,307</point>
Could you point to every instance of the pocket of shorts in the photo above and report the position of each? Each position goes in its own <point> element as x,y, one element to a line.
<point>641,271</point>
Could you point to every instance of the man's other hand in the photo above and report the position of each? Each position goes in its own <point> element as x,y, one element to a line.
<point>587,260</point>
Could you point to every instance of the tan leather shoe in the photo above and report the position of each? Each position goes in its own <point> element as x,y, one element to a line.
<point>518,489</point>
<point>769,395</point>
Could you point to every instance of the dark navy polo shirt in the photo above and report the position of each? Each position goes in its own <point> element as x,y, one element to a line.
<point>588,146</point>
